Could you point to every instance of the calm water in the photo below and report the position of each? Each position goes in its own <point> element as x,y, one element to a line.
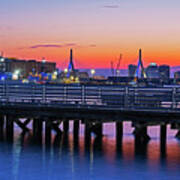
<point>103,160</point>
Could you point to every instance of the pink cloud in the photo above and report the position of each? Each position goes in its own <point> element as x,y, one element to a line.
<point>111,6</point>
<point>52,45</point>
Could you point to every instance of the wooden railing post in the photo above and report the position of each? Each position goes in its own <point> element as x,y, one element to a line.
<point>65,94</point>
<point>174,98</point>
<point>132,97</point>
<point>6,92</point>
<point>32,93</point>
<point>44,94</point>
<point>126,97</point>
<point>83,94</point>
<point>99,95</point>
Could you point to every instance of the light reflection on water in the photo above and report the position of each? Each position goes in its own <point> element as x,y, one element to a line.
<point>69,159</point>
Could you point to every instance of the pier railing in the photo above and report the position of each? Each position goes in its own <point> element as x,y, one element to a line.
<point>108,96</point>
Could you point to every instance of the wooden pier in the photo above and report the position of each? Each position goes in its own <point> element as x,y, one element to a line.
<point>49,106</point>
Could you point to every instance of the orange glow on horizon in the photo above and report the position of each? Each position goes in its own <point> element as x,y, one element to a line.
<point>97,57</point>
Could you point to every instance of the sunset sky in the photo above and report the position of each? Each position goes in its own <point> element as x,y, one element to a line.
<point>97,30</point>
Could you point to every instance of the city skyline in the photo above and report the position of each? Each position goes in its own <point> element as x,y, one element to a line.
<point>98,31</point>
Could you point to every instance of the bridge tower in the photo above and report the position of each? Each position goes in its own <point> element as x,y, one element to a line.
<point>140,65</point>
<point>71,63</point>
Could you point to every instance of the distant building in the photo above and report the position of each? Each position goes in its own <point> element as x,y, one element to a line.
<point>83,75</point>
<point>177,77</point>
<point>152,71</point>
<point>123,80</point>
<point>132,70</point>
<point>25,67</point>
<point>97,77</point>
<point>164,73</point>
<point>2,65</point>
<point>161,72</point>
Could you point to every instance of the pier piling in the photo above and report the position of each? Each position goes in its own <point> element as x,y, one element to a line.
<point>55,127</point>
<point>163,133</point>
<point>1,127</point>
<point>87,132</point>
<point>76,129</point>
<point>40,129</point>
<point>48,127</point>
<point>119,130</point>
<point>21,125</point>
<point>66,126</point>
<point>37,129</point>
<point>9,128</point>
<point>141,135</point>
<point>119,135</point>
<point>97,128</point>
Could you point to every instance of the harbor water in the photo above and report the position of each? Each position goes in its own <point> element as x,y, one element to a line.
<point>104,159</point>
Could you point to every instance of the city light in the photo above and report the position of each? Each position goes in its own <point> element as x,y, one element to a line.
<point>54,75</point>
<point>153,64</point>
<point>17,72</point>
<point>43,61</point>
<point>93,72</point>
<point>2,59</point>
<point>2,78</point>
<point>76,79</point>
<point>65,70</point>
<point>72,78</point>
<point>118,72</point>
<point>15,76</point>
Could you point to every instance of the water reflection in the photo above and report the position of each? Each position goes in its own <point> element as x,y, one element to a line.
<point>105,158</point>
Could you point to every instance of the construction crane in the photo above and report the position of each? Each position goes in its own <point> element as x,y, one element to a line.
<point>118,65</point>
<point>112,68</point>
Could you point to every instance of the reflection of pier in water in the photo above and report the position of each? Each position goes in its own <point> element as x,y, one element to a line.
<point>107,148</point>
